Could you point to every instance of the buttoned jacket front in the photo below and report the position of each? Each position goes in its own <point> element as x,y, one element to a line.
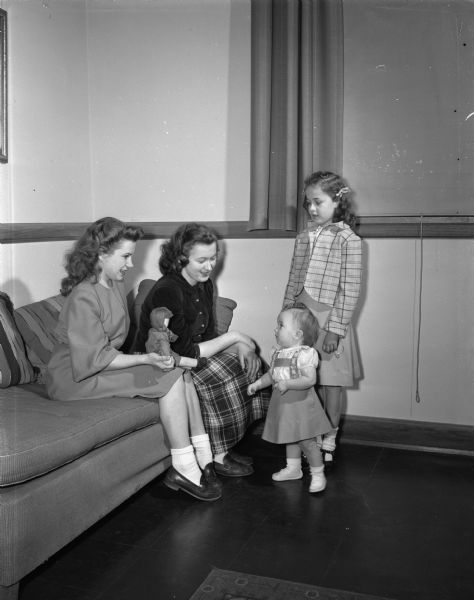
<point>331,273</point>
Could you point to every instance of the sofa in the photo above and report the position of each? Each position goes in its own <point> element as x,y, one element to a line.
<point>65,465</point>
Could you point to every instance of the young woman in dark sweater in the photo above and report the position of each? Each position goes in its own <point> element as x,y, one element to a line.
<point>227,363</point>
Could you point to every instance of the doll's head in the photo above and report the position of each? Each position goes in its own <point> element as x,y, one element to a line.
<point>160,317</point>
<point>296,326</point>
<point>332,194</point>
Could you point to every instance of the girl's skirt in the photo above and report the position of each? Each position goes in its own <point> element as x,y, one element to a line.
<point>227,410</point>
<point>342,367</point>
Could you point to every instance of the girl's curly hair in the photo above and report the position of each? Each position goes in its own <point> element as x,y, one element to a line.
<point>175,252</point>
<point>337,188</point>
<point>101,237</point>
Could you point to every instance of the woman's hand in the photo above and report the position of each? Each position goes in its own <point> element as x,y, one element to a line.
<point>249,361</point>
<point>331,342</point>
<point>231,341</point>
<point>165,363</point>
<point>243,338</point>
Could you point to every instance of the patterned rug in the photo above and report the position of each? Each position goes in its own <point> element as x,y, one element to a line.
<point>229,585</point>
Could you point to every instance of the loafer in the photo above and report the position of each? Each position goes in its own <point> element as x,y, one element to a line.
<point>232,468</point>
<point>240,458</point>
<point>203,491</point>
<point>211,478</point>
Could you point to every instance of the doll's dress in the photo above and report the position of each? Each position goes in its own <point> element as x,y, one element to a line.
<point>159,341</point>
<point>297,414</point>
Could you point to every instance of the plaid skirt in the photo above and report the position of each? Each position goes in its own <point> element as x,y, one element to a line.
<point>227,410</point>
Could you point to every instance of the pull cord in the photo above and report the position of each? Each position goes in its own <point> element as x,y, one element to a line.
<point>418,340</point>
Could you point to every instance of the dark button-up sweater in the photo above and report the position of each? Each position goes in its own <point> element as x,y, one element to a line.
<point>193,313</point>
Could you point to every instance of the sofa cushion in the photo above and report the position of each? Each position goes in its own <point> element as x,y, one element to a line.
<point>14,365</point>
<point>38,435</point>
<point>37,324</point>
<point>224,312</point>
<point>224,307</point>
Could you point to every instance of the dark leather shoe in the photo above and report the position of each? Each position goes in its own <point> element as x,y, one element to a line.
<point>240,458</point>
<point>176,481</point>
<point>328,459</point>
<point>211,478</point>
<point>231,468</point>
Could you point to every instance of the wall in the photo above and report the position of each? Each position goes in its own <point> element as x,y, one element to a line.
<point>142,110</point>
<point>387,323</point>
<point>408,139</point>
<point>408,109</point>
<point>84,143</point>
<point>49,142</point>
<point>169,104</point>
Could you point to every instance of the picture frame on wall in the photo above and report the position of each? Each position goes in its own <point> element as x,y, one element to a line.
<point>3,87</point>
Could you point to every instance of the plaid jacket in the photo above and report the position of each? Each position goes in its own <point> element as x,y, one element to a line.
<point>331,275</point>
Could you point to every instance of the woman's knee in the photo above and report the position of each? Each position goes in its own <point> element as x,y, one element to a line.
<point>187,377</point>
<point>177,390</point>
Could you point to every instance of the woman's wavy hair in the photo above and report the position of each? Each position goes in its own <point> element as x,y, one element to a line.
<point>101,237</point>
<point>175,252</point>
<point>306,321</point>
<point>337,188</point>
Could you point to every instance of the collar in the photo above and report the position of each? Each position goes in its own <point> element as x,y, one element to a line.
<point>334,227</point>
<point>185,285</point>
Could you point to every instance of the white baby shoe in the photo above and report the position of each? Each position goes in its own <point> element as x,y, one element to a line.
<point>287,474</point>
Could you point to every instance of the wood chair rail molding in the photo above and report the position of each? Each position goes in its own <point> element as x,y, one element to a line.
<point>396,226</point>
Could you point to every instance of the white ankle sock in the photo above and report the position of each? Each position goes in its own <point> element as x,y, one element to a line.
<point>294,464</point>
<point>329,440</point>
<point>220,457</point>
<point>318,479</point>
<point>184,461</point>
<point>202,447</point>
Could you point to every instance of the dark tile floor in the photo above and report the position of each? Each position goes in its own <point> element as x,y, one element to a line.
<point>394,523</point>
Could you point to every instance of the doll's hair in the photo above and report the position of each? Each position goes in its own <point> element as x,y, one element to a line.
<point>158,315</point>
<point>175,252</point>
<point>101,237</point>
<point>306,321</point>
<point>338,189</point>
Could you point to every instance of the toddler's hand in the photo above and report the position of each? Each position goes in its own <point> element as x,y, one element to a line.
<point>282,386</point>
<point>252,388</point>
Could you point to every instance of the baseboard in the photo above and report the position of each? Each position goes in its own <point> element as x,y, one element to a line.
<point>408,435</point>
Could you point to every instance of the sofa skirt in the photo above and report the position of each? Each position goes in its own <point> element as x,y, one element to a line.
<point>40,516</point>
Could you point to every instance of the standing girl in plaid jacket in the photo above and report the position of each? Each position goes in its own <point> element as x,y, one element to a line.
<point>325,275</point>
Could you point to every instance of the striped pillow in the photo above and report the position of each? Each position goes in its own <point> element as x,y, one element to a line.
<point>14,365</point>
<point>37,323</point>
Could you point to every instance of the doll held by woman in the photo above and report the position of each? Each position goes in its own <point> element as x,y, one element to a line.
<point>160,338</point>
<point>295,416</point>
